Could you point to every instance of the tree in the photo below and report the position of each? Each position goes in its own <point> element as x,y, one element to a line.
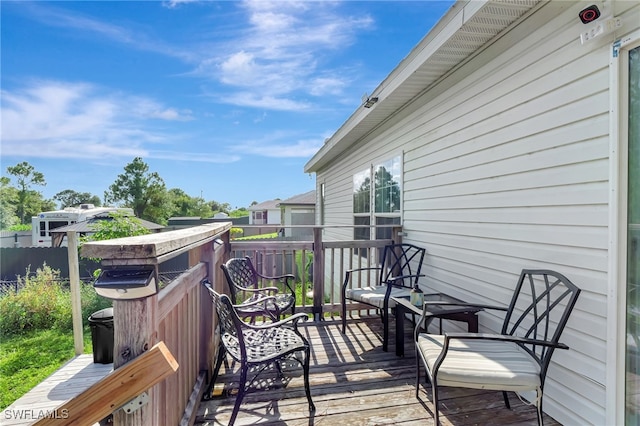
<point>119,225</point>
<point>219,207</point>
<point>26,175</point>
<point>70,198</point>
<point>184,205</point>
<point>8,202</point>
<point>142,190</point>
<point>242,211</point>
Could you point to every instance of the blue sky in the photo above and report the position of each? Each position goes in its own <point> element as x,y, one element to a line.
<point>225,100</point>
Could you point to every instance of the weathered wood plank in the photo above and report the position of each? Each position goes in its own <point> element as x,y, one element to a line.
<point>116,389</point>
<point>354,382</point>
<point>172,294</point>
<point>153,246</point>
<point>71,379</point>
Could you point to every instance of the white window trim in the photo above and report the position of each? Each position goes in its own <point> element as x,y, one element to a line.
<point>616,294</point>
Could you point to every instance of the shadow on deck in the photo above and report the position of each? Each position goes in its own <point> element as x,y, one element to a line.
<point>353,382</point>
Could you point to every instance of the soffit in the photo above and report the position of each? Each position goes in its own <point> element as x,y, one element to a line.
<point>466,29</point>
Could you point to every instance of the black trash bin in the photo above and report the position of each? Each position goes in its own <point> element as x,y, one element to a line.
<point>101,323</point>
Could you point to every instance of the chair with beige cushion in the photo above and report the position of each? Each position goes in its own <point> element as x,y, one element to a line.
<point>518,357</point>
<point>397,273</point>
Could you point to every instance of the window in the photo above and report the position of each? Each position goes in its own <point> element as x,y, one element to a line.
<point>632,415</point>
<point>377,195</point>
<point>259,217</point>
<point>322,204</point>
<point>362,192</point>
<point>387,186</point>
<point>56,224</point>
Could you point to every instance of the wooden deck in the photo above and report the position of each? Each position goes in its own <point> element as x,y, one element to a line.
<point>68,381</point>
<point>353,382</point>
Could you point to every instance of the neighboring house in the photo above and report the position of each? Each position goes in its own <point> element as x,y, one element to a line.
<point>265,213</point>
<point>503,142</point>
<point>296,211</point>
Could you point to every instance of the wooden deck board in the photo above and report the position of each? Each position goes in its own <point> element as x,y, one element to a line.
<point>353,382</point>
<point>68,381</point>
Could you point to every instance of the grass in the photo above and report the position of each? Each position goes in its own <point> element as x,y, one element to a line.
<point>36,335</point>
<point>258,237</point>
<point>28,359</point>
<point>31,355</point>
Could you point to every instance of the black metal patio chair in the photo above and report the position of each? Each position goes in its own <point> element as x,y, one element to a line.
<point>395,276</point>
<point>518,357</point>
<point>246,285</point>
<point>257,347</point>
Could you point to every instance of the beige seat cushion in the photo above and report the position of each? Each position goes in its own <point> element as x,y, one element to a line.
<point>481,364</point>
<point>375,295</point>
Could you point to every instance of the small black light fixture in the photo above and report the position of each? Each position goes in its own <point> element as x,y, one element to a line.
<point>127,282</point>
<point>589,14</point>
<point>369,101</point>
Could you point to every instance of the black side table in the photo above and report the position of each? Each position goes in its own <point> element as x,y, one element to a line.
<point>447,311</point>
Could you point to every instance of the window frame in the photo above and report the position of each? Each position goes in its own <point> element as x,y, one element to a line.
<point>374,212</point>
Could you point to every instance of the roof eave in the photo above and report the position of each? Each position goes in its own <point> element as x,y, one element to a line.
<point>399,88</point>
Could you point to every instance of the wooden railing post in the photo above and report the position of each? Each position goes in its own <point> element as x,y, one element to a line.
<point>397,234</point>
<point>318,274</point>
<point>173,313</point>
<point>134,325</point>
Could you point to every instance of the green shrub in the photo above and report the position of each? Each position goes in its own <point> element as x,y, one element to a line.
<point>20,227</point>
<point>44,303</point>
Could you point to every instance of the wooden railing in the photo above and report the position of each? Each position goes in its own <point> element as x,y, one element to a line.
<point>319,266</point>
<point>181,315</point>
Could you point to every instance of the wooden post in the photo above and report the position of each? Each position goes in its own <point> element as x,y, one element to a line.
<point>134,325</point>
<point>397,234</point>
<point>74,281</point>
<point>318,274</point>
<point>136,321</point>
<point>206,311</point>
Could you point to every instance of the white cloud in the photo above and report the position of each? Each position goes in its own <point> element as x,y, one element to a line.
<point>322,86</point>
<point>135,38</point>
<point>277,56</point>
<point>257,100</point>
<point>52,119</point>
<point>197,157</point>
<point>272,147</point>
<point>172,4</point>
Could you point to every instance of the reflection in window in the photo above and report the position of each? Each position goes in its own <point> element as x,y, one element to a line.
<point>387,186</point>
<point>362,192</point>
<point>322,220</point>
<point>382,187</point>
<point>633,245</point>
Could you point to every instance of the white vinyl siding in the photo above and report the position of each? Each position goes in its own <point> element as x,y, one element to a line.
<point>506,166</point>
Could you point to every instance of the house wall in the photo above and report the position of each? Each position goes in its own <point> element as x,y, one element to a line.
<point>298,215</point>
<point>273,217</point>
<point>506,166</point>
